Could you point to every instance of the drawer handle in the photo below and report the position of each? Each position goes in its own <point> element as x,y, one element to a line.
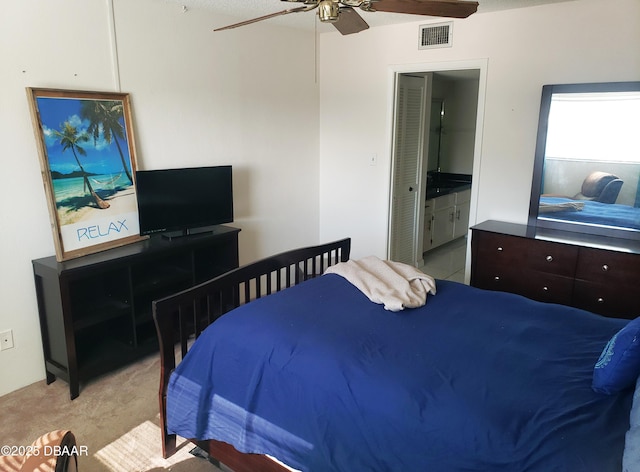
<point>605,267</point>
<point>549,258</point>
<point>545,289</point>
<point>600,300</point>
<point>496,278</point>
<point>499,248</point>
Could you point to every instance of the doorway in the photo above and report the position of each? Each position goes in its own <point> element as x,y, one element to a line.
<point>453,148</point>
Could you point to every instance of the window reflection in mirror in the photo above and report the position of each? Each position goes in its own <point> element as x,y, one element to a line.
<point>587,170</point>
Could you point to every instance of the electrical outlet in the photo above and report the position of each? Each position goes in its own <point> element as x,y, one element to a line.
<point>6,340</point>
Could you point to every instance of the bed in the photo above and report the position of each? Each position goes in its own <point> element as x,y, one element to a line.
<point>321,378</point>
<point>589,212</point>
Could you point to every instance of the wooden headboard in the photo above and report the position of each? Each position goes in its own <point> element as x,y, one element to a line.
<point>180,318</point>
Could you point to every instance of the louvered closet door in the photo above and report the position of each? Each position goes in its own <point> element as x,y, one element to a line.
<point>406,243</point>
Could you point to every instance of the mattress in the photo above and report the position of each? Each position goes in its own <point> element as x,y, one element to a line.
<point>325,380</point>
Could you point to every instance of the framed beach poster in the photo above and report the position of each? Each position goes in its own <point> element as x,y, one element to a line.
<point>87,154</point>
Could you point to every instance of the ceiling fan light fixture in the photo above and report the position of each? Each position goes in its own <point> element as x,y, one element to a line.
<point>328,11</point>
<point>343,16</point>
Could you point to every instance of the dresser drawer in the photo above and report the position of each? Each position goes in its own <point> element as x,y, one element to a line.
<point>608,300</point>
<point>547,287</point>
<point>499,250</point>
<point>536,285</point>
<point>608,267</point>
<point>553,258</point>
<point>497,262</point>
<point>498,279</point>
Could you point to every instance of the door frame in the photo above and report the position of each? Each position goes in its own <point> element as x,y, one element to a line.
<point>477,64</point>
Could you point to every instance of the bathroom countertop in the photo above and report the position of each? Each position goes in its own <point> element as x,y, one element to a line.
<point>446,188</point>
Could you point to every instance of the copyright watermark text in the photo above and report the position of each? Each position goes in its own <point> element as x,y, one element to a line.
<point>34,450</point>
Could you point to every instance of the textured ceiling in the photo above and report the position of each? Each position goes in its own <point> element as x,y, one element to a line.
<point>248,9</point>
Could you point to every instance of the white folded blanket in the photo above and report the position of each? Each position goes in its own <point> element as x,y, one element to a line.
<point>392,284</point>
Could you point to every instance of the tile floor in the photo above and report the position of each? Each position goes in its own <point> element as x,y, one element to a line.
<point>447,261</point>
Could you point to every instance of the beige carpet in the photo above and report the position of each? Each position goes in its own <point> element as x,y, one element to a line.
<point>115,420</point>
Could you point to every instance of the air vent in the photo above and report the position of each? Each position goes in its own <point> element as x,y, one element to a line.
<point>437,35</point>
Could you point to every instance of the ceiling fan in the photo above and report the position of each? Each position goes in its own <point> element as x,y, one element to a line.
<point>342,13</point>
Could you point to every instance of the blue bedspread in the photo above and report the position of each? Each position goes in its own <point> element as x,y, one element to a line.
<point>323,379</point>
<point>595,213</point>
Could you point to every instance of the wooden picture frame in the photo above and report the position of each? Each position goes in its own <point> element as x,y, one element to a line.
<point>87,155</point>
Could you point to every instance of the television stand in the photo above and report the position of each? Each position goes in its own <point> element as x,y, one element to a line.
<point>95,310</point>
<point>199,231</point>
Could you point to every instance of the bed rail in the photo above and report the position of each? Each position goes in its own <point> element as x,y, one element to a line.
<point>180,318</point>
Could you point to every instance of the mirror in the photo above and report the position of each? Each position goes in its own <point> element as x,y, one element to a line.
<point>436,123</point>
<point>587,164</point>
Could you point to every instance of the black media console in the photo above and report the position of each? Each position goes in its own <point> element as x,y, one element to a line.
<point>95,311</point>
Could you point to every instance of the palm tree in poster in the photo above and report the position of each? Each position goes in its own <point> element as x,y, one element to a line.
<point>105,116</point>
<point>71,139</point>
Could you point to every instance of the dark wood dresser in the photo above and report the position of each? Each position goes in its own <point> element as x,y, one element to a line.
<point>598,274</point>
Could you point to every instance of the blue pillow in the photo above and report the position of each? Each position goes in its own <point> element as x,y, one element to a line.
<point>631,454</point>
<point>619,365</point>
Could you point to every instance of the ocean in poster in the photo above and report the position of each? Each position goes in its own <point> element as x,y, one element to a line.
<point>68,189</point>
<point>82,223</point>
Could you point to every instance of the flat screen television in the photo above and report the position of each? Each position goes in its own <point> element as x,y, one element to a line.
<point>180,202</point>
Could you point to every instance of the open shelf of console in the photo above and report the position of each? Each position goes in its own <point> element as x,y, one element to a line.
<point>95,311</point>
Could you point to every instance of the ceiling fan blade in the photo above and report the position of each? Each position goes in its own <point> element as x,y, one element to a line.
<point>350,21</point>
<point>266,17</point>
<point>447,8</point>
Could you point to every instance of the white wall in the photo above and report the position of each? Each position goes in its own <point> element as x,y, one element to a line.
<point>249,97</point>
<point>524,48</point>
<point>246,97</point>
